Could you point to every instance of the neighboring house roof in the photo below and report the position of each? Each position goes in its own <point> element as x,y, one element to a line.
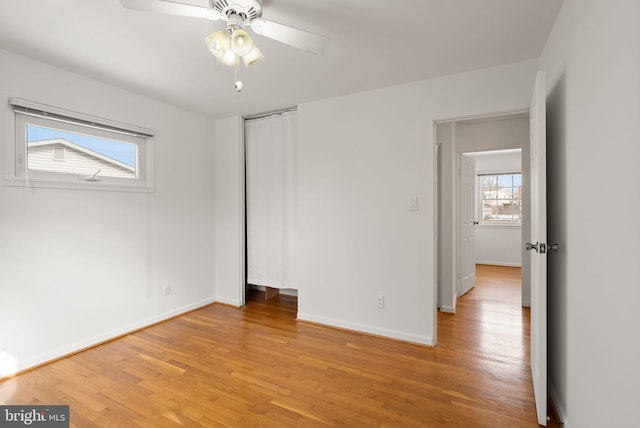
<point>81,149</point>
<point>497,197</point>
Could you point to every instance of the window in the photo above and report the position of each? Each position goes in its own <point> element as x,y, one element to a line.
<point>58,151</point>
<point>56,148</point>
<point>501,199</point>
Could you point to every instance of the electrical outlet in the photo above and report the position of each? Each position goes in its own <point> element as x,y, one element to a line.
<point>166,289</point>
<point>380,301</point>
<point>413,204</point>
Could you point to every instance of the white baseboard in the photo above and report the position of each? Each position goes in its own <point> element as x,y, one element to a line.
<point>562,412</point>
<point>226,301</point>
<point>362,328</point>
<point>448,309</point>
<point>494,263</point>
<point>89,342</point>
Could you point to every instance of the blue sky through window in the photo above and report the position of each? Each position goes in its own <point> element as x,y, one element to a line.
<point>118,150</point>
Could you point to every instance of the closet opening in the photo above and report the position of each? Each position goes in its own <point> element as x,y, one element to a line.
<point>270,141</point>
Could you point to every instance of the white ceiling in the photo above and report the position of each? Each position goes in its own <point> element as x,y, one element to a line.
<point>373,44</point>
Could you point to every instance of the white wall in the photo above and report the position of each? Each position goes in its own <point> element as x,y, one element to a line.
<point>78,267</point>
<point>361,157</point>
<point>592,60</point>
<point>498,245</point>
<point>447,230</point>
<point>492,162</point>
<point>229,211</point>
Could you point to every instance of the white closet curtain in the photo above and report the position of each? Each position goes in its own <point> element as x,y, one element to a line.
<point>270,144</point>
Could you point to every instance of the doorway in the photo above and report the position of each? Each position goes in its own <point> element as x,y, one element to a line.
<point>478,136</point>
<point>497,207</point>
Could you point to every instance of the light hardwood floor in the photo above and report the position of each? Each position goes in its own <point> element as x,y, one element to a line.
<point>258,366</point>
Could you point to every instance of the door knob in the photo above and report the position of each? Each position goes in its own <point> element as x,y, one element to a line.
<point>542,248</point>
<point>529,246</point>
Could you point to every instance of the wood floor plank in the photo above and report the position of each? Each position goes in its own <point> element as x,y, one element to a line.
<point>257,366</point>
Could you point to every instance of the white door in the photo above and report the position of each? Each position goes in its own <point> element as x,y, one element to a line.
<point>467,224</point>
<point>538,247</point>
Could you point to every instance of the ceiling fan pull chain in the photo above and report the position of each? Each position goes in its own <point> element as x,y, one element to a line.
<point>238,83</point>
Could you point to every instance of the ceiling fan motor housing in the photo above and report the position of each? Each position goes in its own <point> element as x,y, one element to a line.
<point>247,9</point>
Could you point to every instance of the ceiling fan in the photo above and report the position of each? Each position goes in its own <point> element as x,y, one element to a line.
<point>233,43</point>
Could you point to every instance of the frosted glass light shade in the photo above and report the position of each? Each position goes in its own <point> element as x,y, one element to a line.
<point>230,58</point>
<point>252,57</point>
<point>241,43</point>
<point>218,43</point>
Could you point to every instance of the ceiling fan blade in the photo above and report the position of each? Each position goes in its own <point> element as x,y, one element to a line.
<point>171,8</point>
<point>310,42</point>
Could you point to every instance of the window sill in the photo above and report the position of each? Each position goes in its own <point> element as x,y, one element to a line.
<point>499,226</point>
<point>39,183</point>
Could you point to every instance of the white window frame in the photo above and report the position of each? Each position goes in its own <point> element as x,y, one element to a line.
<point>23,113</point>
<point>479,198</point>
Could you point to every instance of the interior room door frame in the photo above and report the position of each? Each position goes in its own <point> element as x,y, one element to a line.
<point>439,258</point>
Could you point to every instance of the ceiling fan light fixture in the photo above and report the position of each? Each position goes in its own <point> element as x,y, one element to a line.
<point>237,14</point>
<point>241,42</point>
<point>253,57</point>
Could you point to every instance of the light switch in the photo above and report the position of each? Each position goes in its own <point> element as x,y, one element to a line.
<point>413,204</point>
